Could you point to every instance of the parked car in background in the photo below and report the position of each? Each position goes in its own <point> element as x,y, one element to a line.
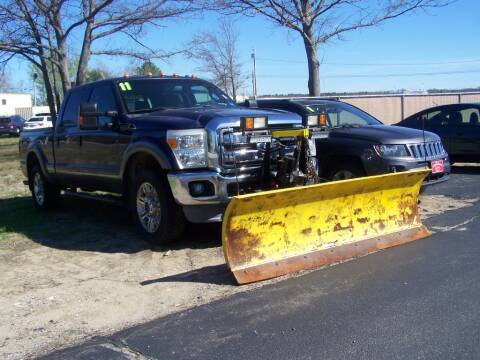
<point>457,124</point>
<point>11,125</point>
<point>356,144</point>
<point>39,121</point>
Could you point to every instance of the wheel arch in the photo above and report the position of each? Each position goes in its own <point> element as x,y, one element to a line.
<point>335,160</point>
<point>34,156</point>
<point>143,156</point>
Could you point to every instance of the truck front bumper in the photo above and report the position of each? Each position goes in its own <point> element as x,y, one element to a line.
<point>209,205</point>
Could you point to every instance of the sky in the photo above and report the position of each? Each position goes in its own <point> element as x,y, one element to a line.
<point>438,49</point>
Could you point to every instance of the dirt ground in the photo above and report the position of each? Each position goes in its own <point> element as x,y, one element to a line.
<point>83,271</point>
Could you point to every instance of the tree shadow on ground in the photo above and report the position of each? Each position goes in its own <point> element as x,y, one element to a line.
<point>90,225</point>
<point>215,274</point>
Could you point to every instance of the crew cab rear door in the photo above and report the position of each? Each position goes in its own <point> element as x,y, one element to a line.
<point>99,153</point>
<point>67,137</point>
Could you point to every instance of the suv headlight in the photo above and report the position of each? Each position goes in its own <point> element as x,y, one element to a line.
<point>391,151</point>
<point>189,147</point>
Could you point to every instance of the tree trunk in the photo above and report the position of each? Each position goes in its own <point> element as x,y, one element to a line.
<point>234,87</point>
<point>48,89</point>
<point>58,97</point>
<point>313,63</point>
<point>84,55</point>
<point>63,69</point>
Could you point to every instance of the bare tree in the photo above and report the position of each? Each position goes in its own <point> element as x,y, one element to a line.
<point>5,83</point>
<point>219,57</point>
<point>42,32</point>
<point>319,21</point>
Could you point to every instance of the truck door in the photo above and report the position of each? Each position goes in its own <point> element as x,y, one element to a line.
<point>67,137</point>
<point>99,155</point>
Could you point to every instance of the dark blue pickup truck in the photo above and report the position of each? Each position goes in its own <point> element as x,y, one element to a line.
<point>178,149</point>
<point>172,146</point>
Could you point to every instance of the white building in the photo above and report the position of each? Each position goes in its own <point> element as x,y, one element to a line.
<point>10,102</point>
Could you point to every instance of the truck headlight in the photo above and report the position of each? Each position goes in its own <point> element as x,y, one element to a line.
<point>189,147</point>
<point>390,151</point>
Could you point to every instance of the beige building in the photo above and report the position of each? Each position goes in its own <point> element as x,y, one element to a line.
<point>9,102</point>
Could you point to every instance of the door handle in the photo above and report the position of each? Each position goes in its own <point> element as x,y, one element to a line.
<point>127,127</point>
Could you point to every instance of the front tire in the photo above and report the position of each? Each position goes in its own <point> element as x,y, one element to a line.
<point>45,195</point>
<point>345,171</point>
<point>154,210</point>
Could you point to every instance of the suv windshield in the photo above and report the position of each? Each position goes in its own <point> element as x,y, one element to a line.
<point>341,114</point>
<point>147,95</point>
<point>4,120</point>
<point>35,119</point>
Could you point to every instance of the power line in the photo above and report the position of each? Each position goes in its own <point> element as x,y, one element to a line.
<point>377,64</point>
<point>373,75</point>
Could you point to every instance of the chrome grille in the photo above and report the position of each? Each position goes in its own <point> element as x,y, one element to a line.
<point>237,153</point>
<point>429,150</point>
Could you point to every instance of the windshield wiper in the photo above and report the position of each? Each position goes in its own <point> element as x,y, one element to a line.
<point>211,105</point>
<point>349,126</point>
<point>147,110</point>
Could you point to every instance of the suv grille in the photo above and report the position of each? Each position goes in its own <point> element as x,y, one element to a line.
<point>429,150</point>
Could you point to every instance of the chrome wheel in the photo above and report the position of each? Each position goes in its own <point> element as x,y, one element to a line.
<point>38,189</point>
<point>148,207</point>
<point>343,175</point>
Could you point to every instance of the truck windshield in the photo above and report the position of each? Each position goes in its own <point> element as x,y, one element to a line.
<point>147,95</point>
<point>342,114</point>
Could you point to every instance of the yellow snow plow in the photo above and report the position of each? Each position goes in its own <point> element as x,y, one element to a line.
<point>273,233</point>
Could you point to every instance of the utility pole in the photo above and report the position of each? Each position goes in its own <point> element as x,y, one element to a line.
<point>254,75</point>
<point>35,76</point>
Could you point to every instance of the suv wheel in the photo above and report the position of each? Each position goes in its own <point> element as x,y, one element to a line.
<point>45,195</point>
<point>346,171</point>
<point>154,210</point>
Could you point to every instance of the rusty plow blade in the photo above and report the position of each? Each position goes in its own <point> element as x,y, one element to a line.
<point>277,232</point>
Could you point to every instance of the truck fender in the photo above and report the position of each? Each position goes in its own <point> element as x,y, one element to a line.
<point>35,150</point>
<point>145,146</point>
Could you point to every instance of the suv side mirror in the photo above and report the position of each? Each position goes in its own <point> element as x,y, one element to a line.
<point>88,116</point>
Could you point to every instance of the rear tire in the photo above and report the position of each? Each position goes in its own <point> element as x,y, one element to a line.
<point>344,171</point>
<point>45,195</point>
<point>154,210</point>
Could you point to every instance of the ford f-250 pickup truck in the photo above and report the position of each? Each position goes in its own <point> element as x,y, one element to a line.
<point>171,146</point>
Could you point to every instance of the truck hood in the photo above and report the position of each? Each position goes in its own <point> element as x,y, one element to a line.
<point>198,118</point>
<point>384,134</point>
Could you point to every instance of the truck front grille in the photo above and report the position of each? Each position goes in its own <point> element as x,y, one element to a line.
<point>239,156</point>
<point>237,153</point>
<point>429,150</point>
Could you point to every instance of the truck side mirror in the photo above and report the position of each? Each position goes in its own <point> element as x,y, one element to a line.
<point>88,116</point>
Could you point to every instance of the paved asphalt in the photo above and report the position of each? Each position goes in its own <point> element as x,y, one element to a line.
<point>416,301</point>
